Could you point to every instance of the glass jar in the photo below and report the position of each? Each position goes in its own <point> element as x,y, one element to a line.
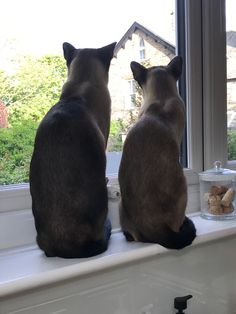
<point>217,193</point>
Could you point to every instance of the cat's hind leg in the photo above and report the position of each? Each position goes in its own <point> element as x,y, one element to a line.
<point>127,225</point>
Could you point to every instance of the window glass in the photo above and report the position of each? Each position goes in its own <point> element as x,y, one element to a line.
<point>142,54</point>
<point>32,68</point>
<point>231,77</point>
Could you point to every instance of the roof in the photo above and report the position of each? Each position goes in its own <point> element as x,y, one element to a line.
<point>230,37</point>
<point>146,32</point>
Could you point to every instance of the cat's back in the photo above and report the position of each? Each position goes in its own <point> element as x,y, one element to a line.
<point>64,113</point>
<point>150,160</point>
<point>67,123</point>
<point>152,136</point>
<point>68,146</point>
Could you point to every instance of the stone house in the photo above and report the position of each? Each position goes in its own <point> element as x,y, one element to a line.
<point>141,45</point>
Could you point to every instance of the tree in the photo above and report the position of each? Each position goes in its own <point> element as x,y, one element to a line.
<point>33,88</point>
<point>28,93</point>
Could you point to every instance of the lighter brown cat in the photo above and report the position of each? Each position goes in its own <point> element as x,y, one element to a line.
<point>152,182</point>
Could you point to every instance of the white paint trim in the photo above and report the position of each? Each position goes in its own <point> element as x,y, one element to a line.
<point>194,84</point>
<point>17,223</point>
<point>14,197</point>
<point>34,270</point>
<point>231,164</point>
<point>214,82</point>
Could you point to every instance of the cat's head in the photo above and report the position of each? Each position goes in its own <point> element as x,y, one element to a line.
<point>86,61</point>
<point>172,71</point>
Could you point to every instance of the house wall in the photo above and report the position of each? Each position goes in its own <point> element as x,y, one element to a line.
<point>231,74</point>
<point>120,71</point>
<point>156,54</point>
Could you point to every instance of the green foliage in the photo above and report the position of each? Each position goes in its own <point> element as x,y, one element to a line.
<point>34,88</point>
<point>115,137</point>
<point>119,129</point>
<point>16,147</point>
<point>6,88</point>
<point>29,93</point>
<point>231,144</point>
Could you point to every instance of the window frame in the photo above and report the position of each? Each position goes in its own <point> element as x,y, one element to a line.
<point>205,97</point>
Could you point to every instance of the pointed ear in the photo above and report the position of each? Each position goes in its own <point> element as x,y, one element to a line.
<point>139,72</point>
<point>68,50</point>
<point>175,67</point>
<point>106,53</point>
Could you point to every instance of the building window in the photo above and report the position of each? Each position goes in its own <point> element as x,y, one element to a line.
<point>131,94</point>
<point>142,52</point>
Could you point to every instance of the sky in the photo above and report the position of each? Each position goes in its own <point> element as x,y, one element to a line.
<point>41,26</point>
<point>45,24</point>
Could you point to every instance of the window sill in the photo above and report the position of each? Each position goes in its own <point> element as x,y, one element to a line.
<point>26,268</point>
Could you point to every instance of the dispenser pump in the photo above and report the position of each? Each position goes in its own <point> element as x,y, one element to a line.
<point>180,303</point>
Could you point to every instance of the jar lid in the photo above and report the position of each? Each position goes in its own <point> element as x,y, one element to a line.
<point>217,173</point>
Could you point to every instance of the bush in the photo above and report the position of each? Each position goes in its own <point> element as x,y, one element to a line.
<point>231,144</point>
<point>16,146</point>
<point>115,137</point>
<point>28,93</point>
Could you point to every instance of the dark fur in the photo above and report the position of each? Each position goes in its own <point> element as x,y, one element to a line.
<point>153,186</point>
<point>67,171</point>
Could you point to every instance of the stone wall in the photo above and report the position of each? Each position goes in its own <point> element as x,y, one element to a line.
<point>120,73</point>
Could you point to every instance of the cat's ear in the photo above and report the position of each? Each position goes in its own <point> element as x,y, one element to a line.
<point>175,67</point>
<point>69,51</point>
<point>139,72</point>
<point>106,53</point>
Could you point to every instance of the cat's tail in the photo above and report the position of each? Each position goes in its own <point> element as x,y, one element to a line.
<point>181,239</point>
<point>173,240</point>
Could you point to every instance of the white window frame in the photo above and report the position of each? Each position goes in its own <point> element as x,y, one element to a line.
<point>206,98</point>
<point>206,75</point>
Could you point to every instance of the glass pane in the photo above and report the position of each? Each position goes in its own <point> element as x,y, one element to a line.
<point>231,76</point>
<point>148,38</point>
<point>32,68</point>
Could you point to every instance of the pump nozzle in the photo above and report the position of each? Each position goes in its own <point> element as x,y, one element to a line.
<point>180,303</point>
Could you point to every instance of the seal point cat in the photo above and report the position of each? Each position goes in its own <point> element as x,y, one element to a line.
<point>67,170</point>
<point>152,182</point>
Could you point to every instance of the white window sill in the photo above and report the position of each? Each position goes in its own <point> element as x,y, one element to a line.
<point>27,267</point>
